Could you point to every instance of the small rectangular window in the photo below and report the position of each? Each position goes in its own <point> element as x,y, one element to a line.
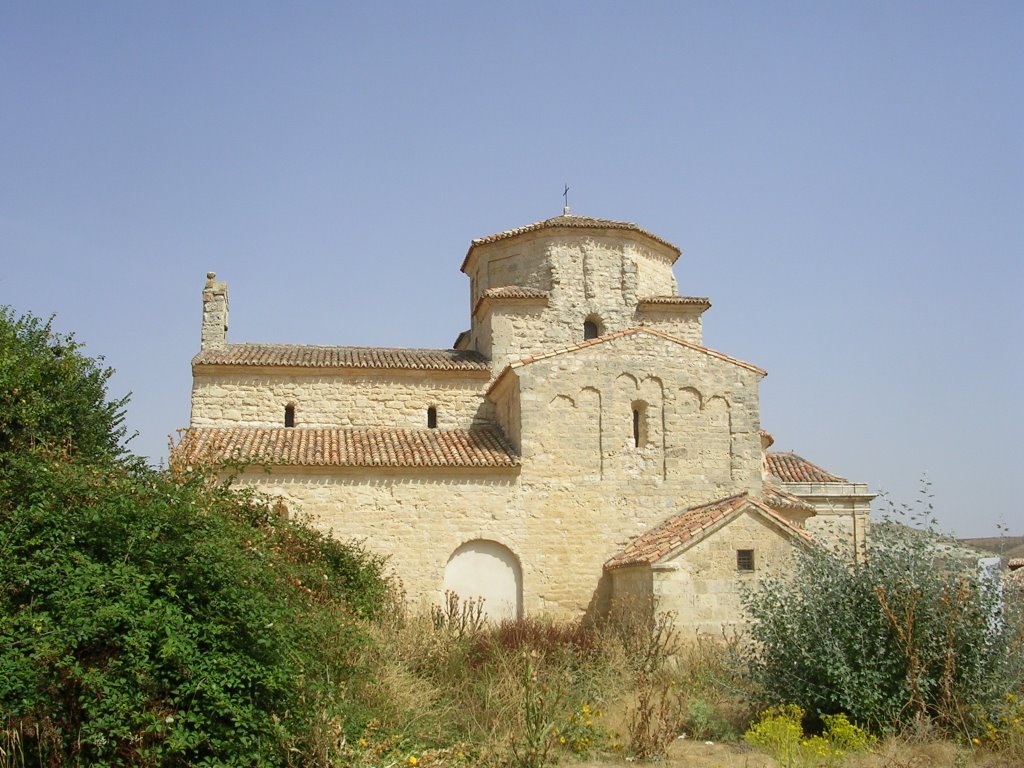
<point>744,559</point>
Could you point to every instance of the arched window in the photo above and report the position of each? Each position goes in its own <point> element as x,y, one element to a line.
<point>289,415</point>
<point>590,330</point>
<point>432,417</point>
<point>639,424</point>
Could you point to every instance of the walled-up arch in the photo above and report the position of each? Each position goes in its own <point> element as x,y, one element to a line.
<point>486,569</point>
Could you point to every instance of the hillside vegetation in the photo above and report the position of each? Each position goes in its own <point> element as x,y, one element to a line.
<point>1007,547</point>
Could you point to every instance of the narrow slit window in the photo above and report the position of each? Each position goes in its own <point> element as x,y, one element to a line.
<point>639,424</point>
<point>289,415</point>
<point>744,559</point>
<point>432,417</point>
<point>590,330</point>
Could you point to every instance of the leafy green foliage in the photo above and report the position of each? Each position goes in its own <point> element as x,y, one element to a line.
<point>154,619</point>
<point>911,633</point>
<point>50,393</point>
<point>144,620</point>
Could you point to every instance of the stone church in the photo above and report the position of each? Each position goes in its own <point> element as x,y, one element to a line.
<point>577,446</point>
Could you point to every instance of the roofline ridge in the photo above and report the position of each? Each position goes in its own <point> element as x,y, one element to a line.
<point>338,346</point>
<point>566,220</point>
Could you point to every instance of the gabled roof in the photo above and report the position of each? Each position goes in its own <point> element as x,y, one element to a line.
<point>280,446</point>
<point>683,530</point>
<point>790,468</point>
<point>311,356</point>
<point>567,221</point>
<point>529,359</point>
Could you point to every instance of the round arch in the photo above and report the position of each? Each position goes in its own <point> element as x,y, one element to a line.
<point>486,569</point>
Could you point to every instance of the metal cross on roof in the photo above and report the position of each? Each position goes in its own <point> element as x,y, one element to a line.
<point>565,194</point>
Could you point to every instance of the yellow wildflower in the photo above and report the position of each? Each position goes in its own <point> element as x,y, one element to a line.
<point>413,760</point>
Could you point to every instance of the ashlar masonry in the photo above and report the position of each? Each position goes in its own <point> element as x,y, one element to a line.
<point>577,446</point>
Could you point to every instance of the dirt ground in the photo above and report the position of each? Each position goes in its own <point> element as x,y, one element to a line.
<point>697,754</point>
<point>890,754</point>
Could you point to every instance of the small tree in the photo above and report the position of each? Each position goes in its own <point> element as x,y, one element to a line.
<point>911,633</point>
<point>52,394</point>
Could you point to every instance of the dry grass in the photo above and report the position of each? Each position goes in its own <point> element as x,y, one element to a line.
<point>451,692</point>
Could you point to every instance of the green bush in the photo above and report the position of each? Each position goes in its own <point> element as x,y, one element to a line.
<point>143,620</point>
<point>151,619</point>
<point>909,634</point>
<point>52,394</point>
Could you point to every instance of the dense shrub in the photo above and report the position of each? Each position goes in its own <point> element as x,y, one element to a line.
<point>909,634</point>
<point>151,619</point>
<point>143,620</point>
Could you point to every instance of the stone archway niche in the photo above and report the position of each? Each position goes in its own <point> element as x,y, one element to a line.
<point>486,569</point>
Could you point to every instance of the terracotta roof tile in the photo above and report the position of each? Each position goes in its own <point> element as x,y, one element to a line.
<point>569,221</point>
<point>790,468</point>
<point>511,292</point>
<point>311,356</point>
<point>660,541</point>
<point>346,447</point>
<point>675,301</point>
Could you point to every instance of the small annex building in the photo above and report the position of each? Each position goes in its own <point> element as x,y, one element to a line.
<point>578,446</point>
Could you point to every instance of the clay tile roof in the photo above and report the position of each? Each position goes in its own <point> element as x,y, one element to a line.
<point>658,542</point>
<point>776,498</point>
<point>566,221</point>
<point>790,468</point>
<point>281,446</point>
<point>515,292</point>
<point>511,292</point>
<point>1015,563</point>
<point>310,356</point>
<point>675,301</point>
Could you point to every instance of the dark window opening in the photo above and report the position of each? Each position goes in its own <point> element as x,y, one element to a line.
<point>590,330</point>
<point>639,424</point>
<point>289,415</point>
<point>744,559</point>
<point>431,417</point>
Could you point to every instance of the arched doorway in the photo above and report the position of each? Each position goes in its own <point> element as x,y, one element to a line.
<point>486,569</point>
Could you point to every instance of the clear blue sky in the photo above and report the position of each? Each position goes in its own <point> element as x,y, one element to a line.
<point>846,181</point>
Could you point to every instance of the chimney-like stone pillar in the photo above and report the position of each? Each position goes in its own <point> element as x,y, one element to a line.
<point>215,313</point>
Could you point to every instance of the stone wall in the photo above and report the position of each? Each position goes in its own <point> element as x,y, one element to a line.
<point>702,584</point>
<point>350,398</point>
<point>682,325</point>
<point>697,444</point>
<point>590,275</point>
